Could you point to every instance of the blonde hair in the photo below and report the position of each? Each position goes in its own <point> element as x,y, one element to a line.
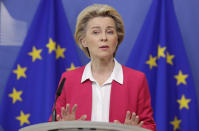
<point>93,11</point>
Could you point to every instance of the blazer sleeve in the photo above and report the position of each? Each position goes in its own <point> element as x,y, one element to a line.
<point>144,108</point>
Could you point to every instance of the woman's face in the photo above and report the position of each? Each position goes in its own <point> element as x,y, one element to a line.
<point>101,37</point>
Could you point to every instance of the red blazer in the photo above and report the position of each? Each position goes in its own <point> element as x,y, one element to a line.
<point>132,95</point>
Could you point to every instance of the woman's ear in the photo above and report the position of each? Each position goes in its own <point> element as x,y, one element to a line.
<point>83,42</point>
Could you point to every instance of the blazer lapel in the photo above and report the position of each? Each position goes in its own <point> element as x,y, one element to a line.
<point>86,91</point>
<point>117,102</point>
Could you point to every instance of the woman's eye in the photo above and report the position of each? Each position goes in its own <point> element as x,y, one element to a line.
<point>95,32</point>
<point>110,32</point>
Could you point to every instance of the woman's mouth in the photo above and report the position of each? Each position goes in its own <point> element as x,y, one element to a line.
<point>104,47</point>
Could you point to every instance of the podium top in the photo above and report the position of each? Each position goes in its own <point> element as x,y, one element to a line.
<point>81,126</point>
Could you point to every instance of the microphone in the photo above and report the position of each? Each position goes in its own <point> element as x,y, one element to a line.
<point>58,93</point>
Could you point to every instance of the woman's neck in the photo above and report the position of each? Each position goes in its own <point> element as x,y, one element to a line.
<point>101,69</point>
<point>102,66</point>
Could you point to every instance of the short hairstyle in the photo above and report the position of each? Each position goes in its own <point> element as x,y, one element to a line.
<point>93,11</point>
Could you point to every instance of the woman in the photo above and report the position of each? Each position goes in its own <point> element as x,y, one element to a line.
<point>104,90</point>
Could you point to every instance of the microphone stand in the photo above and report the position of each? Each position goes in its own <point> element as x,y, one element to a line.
<point>58,93</point>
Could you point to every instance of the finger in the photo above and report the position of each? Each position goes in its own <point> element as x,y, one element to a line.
<point>116,121</point>
<point>74,109</point>
<point>83,117</point>
<point>133,116</point>
<point>67,108</point>
<point>128,115</point>
<point>137,119</point>
<point>58,118</point>
<point>63,112</point>
<point>140,124</point>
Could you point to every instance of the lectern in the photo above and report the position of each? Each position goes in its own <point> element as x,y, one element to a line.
<point>81,126</point>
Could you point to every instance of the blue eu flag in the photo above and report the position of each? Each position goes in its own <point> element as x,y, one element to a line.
<point>48,50</point>
<point>159,53</point>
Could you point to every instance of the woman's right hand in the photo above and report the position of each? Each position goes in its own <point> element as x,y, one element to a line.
<point>67,115</point>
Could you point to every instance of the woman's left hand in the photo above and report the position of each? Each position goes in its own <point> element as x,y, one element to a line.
<point>131,119</point>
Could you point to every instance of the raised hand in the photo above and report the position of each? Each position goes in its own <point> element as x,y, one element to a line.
<point>131,119</point>
<point>67,115</point>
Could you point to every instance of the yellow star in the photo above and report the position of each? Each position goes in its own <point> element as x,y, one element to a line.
<point>175,123</point>
<point>20,72</point>
<point>184,102</point>
<point>51,46</point>
<point>152,61</point>
<point>169,58</point>
<point>59,52</point>
<point>35,54</point>
<point>181,78</point>
<point>15,95</point>
<point>23,118</point>
<point>161,52</point>
<point>72,67</point>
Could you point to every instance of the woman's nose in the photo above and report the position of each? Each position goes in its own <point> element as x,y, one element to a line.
<point>104,36</point>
